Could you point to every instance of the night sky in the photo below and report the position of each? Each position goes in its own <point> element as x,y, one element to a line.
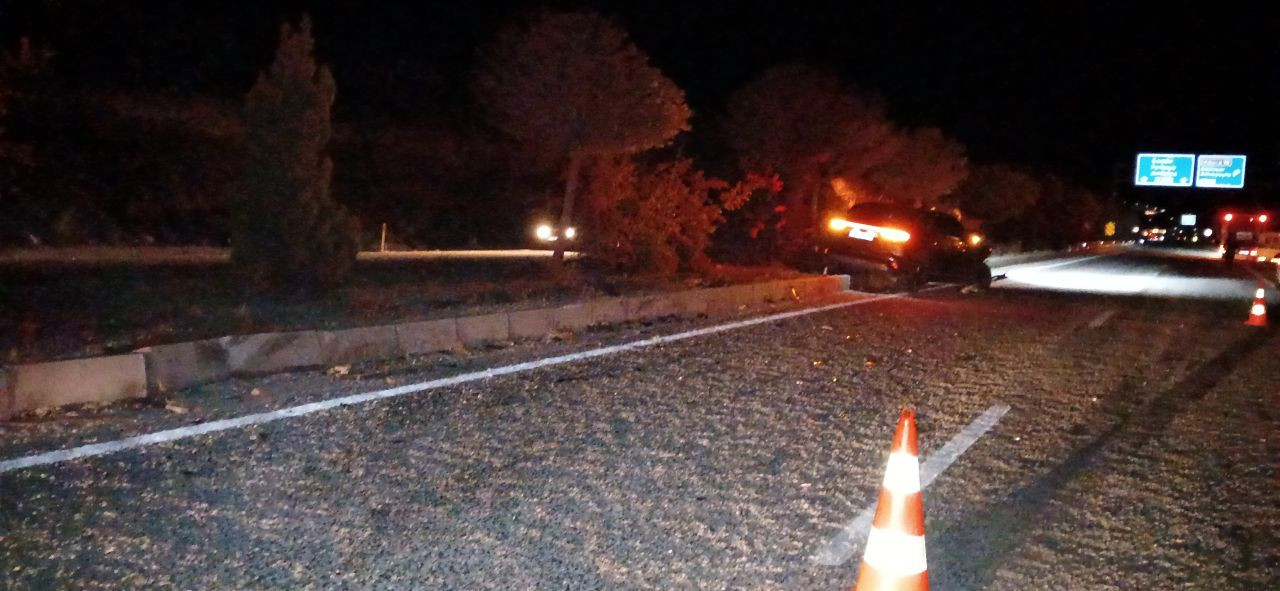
<point>1076,88</point>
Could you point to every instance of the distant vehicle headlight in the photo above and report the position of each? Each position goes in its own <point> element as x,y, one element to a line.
<point>544,233</point>
<point>975,239</point>
<point>570,233</point>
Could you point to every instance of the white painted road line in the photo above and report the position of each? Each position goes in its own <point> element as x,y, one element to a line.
<point>98,449</point>
<point>844,544</point>
<point>1102,318</point>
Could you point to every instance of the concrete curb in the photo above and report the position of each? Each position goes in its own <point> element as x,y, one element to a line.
<point>474,331</point>
<point>428,336</point>
<point>58,383</point>
<point>273,352</point>
<point>166,368</point>
<point>359,344</point>
<point>531,324</point>
<point>182,365</point>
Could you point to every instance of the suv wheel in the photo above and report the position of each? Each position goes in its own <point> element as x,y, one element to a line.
<point>908,279</point>
<point>982,277</point>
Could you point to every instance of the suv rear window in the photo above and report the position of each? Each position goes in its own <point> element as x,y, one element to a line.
<point>946,225</point>
<point>878,214</point>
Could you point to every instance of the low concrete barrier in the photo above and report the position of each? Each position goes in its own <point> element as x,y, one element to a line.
<point>480,330</point>
<point>691,303</point>
<point>265,353</point>
<point>774,291</point>
<point>359,344</point>
<point>428,336</point>
<point>730,300</point>
<point>93,379</point>
<point>182,365</point>
<point>651,307</point>
<point>166,368</point>
<point>531,324</point>
<point>573,316</point>
<point>816,287</point>
<point>605,311</point>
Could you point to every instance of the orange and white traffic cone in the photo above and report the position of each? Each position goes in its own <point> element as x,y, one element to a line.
<point>894,559</point>
<point>1258,312</point>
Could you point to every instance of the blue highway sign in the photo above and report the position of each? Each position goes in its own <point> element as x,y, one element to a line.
<point>1216,171</point>
<point>1164,170</point>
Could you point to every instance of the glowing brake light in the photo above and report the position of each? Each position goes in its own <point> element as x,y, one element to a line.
<point>1263,218</point>
<point>1228,217</point>
<point>893,234</point>
<point>867,231</point>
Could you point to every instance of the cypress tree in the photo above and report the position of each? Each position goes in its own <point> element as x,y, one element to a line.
<point>288,229</point>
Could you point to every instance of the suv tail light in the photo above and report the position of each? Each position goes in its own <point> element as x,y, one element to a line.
<point>867,231</point>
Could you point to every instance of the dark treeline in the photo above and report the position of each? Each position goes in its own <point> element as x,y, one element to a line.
<point>477,152</point>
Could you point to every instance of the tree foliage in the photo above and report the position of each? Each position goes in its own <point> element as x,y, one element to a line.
<point>569,82</point>
<point>925,166</point>
<point>1065,213</point>
<point>658,216</point>
<point>807,126</point>
<point>573,86</point>
<point>994,193</point>
<point>287,227</point>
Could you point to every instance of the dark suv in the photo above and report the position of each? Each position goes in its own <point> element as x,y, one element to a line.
<point>911,246</point>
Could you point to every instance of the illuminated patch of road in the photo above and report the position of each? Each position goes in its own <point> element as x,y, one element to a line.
<point>844,544</point>
<point>1104,281</point>
<point>1024,267</point>
<point>109,447</point>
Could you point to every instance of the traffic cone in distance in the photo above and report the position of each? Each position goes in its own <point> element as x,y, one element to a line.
<point>894,559</point>
<point>1258,312</point>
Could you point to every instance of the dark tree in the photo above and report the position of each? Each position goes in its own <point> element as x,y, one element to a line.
<point>926,166</point>
<point>573,86</point>
<point>658,216</point>
<point>287,228</point>
<point>994,193</point>
<point>817,134</point>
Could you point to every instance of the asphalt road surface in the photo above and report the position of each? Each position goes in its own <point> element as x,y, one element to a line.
<point>1140,449</point>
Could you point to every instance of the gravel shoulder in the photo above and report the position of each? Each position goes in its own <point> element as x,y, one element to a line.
<point>722,462</point>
